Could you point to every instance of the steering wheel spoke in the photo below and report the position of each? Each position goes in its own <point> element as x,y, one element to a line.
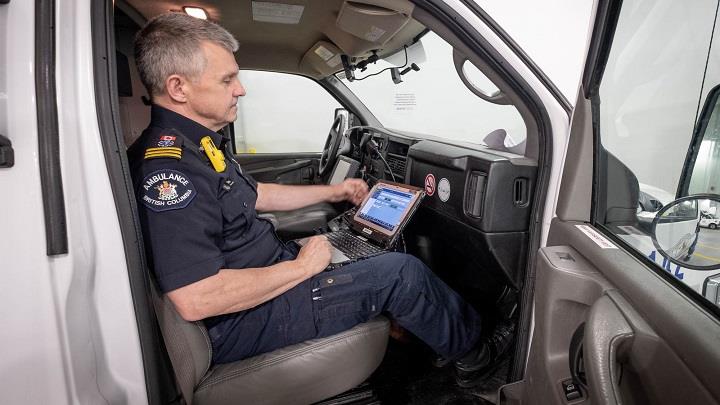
<point>332,146</point>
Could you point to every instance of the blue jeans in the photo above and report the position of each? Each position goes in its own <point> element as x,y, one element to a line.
<point>334,301</point>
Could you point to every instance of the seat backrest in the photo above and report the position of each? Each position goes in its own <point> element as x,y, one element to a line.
<point>187,343</point>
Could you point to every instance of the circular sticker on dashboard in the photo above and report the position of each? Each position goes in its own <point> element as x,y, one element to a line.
<point>443,189</point>
<point>430,184</point>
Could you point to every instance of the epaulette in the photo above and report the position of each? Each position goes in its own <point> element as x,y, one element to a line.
<point>164,145</point>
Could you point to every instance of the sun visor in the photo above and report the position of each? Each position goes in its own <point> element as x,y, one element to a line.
<point>323,58</point>
<point>371,23</point>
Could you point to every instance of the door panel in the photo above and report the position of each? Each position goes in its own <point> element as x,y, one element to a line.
<point>281,168</point>
<point>643,342</point>
<point>567,285</point>
<point>670,354</point>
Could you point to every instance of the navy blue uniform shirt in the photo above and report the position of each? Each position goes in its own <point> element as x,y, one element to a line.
<point>195,221</point>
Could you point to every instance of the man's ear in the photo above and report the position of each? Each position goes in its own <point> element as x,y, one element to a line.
<point>175,85</point>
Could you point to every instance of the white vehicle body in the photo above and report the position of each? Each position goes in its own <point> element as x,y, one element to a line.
<point>78,332</point>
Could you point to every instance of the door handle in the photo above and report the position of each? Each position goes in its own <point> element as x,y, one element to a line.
<point>607,334</point>
<point>7,153</point>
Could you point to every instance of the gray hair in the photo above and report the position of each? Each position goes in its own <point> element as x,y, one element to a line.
<point>171,44</point>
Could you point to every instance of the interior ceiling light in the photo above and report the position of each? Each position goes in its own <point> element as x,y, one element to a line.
<point>196,12</point>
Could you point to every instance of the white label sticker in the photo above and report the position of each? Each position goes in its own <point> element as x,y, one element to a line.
<point>596,237</point>
<point>276,12</point>
<point>323,52</point>
<point>404,102</point>
<point>367,231</point>
<point>374,34</point>
<point>443,189</point>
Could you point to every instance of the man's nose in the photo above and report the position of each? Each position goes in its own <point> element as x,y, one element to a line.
<point>239,90</point>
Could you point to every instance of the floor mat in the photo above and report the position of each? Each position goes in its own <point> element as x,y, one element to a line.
<point>407,376</point>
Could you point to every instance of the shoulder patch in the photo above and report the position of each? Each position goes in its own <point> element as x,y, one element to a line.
<point>164,145</point>
<point>165,190</point>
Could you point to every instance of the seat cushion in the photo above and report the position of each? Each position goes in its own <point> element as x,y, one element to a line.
<point>299,374</point>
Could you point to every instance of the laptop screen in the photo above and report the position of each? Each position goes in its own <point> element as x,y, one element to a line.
<point>386,207</point>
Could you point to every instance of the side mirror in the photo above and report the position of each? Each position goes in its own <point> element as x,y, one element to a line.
<point>684,236</point>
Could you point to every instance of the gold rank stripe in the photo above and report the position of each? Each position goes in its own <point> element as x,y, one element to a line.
<point>164,149</point>
<point>163,152</point>
<point>151,155</point>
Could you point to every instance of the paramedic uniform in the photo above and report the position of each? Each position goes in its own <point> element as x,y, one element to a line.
<point>197,220</point>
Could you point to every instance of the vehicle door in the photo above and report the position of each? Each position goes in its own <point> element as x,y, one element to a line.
<point>616,318</point>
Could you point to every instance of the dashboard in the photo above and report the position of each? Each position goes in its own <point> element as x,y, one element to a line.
<point>478,200</point>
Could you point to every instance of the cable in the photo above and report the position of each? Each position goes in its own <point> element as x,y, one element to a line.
<point>398,67</point>
<point>371,145</point>
<point>383,160</point>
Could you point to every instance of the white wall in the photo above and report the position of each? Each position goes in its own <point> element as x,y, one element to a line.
<point>554,33</point>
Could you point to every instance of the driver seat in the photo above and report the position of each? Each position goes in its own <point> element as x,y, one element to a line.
<point>299,374</point>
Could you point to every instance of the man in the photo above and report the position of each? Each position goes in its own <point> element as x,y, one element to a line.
<point>218,262</point>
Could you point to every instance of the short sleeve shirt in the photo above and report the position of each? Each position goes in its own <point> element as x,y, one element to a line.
<point>195,220</point>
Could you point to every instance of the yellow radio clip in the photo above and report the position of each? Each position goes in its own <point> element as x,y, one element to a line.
<point>217,158</point>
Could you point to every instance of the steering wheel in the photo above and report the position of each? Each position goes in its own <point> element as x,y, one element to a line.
<point>332,145</point>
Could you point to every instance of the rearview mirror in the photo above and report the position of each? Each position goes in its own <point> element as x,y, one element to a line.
<point>685,232</point>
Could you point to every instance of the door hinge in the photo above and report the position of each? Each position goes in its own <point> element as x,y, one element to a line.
<point>7,154</point>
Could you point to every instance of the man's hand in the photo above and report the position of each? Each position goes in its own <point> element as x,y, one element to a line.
<point>315,256</point>
<point>353,190</point>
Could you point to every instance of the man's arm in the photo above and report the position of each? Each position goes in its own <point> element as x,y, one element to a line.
<point>277,197</point>
<point>236,290</point>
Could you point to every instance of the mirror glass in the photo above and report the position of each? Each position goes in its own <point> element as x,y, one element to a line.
<point>686,232</point>
<point>479,80</point>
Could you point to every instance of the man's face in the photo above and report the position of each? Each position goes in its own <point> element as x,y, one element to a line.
<point>213,96</point>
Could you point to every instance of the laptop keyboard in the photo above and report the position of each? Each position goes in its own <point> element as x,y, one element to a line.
<point>352,246</point>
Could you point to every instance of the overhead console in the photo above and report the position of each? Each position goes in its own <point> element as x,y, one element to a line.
<point>372,23</point>
<point>360,30</point>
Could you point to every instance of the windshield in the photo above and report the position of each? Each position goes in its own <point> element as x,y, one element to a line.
<point>434,100</point>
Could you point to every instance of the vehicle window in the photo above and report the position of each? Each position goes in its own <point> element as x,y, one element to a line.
<point>649,100</point>
<point>434,100</point>
<point>706,166</point>
<point>282,113</point>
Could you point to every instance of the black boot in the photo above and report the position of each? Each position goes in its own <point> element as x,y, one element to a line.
<point>476,365</point>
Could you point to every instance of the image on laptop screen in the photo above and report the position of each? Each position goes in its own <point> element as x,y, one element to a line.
<point>385,207</point>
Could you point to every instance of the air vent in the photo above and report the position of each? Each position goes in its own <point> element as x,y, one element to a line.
<point>520,192</point>
<point>397,163</point>
<point>475,197</point>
